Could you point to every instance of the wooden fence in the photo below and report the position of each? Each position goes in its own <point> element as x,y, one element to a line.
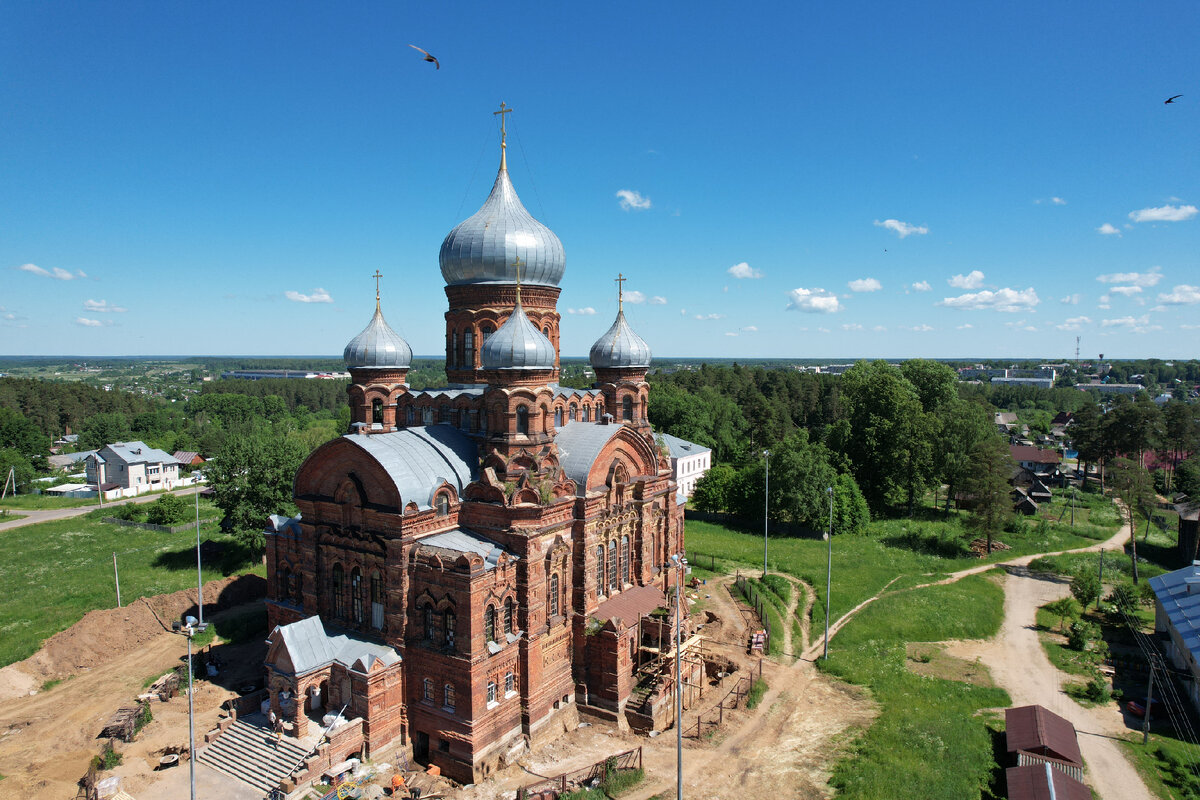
<point>715,716</point>
<point>551,788</point>
<point>755,600</point>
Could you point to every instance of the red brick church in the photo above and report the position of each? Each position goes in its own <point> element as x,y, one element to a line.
<point>472,563</point>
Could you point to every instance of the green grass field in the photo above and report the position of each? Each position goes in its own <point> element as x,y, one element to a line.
<point>53,573</point>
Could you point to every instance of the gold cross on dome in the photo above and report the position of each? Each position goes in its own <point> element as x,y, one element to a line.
<point>504,109</point>
<point>518,264</point>
<point>620,280</point>
<point>377,276</point>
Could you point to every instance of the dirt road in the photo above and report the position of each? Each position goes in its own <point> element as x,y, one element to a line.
<point>32,516</point>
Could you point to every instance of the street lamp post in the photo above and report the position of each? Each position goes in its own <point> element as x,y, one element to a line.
<point>188,632</point>
<point>828,571</point>
<point>678,682</point>
<point>766,504</point>
<point>199,574</point>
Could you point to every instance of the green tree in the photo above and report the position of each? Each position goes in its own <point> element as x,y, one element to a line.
<point>1062,608</point>
<point>23,472</point>
<point>713,490</point>
<point>935,382</point>
<point>251,478</point>
<point>1180,433</point>
<point>962,425</point>
<point>1133,486</point>
<point>1085,588</point>
<point>102,429</point>
<point>18,433</point>
<point>168,510</point>
<point>1187,477</point>
<point>850,512</point>
<point>987,484</point>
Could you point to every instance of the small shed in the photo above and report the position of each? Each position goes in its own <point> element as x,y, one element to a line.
<point>1043,782</point>
<point>1038,731</point>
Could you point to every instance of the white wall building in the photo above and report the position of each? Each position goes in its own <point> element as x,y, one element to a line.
<point>689,462</point>
<point>133,466</point>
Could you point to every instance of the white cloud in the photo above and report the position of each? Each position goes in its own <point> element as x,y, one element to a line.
<point>824,330</point>
<point>921,286</point>
<point>813,301</point>
<point>902,229</point>
<point>865,285</point>
<point>852,326</point>
<point>658,301</point>
<point>1188,327</point>
<point>730,333</point>
<point>1074,323</point>
<point>634,297</point>
<point>1070,300</point>
<point>88,323</point>
<point>922,328</point>
<point>58,273</point>
<point>1125,322</point>
<point>8,315</point>
<point>1164,214</point>
<point>964,326</point>
<point>751,329</point>
<point>631,200</point>
<point>972,280</point>
<point>1126,290</point>
<point>1058,201</point>
<point>744,270</point>
<point>103,307</point>
<point>999,300</point>
<point>586,311</point>
<point>1109,230</point>
<point>710,316</point>
<point>1181,295</point>
<point>318,296</point>
<point>879,329</point>
<point>1148,278</point>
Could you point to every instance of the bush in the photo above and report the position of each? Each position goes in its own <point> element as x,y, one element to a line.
<point>108,757</point>
<point>129,511</point>
<point>168,510</point>
<point>755,696</point>
<point>1081,635</point>
<point>1085,588</point>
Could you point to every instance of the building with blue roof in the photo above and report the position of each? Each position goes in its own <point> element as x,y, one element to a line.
<point>495,546</point>
<point>1177,618</point>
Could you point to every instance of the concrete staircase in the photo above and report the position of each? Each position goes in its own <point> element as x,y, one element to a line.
<point>248,751</point>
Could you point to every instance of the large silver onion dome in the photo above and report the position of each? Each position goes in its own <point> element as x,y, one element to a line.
<point>485,247</point>
<point>517,345</point>
<point>378,347</point>
<point>620,347</point>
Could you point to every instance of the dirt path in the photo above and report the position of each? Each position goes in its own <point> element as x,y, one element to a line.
<point>36,515</point>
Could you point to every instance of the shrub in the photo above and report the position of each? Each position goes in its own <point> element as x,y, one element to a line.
<point>168,510</point>
<point>1085,588</point>
<point>129,511</point>
<point>108,757</point>
<point>1081,635</point>
<point>755,696</point>
<point>1062,608</point>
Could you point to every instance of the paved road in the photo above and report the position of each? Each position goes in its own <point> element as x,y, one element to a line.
<point>34,516</point>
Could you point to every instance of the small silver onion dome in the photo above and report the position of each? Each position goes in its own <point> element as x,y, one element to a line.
<point>484,247</point>
<point>517,345</point>
<point>620,347</point>
<point>378,347</point>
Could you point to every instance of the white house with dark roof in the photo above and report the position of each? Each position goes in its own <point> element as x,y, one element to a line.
<point>689,462</point>
<point>1177,613</point>
<point>134,467</point>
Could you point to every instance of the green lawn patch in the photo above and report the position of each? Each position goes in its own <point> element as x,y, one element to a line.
<point>38,502</point>
<point>755,695</point>
<point>1164,765</point>
<point>772,612</point>
<point>929,739</point>
<point>53,573</point>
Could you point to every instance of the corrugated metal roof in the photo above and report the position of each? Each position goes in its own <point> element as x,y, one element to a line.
<point>682,448</point>
<point>450,392</point>
<point>631,604</point>
<point>310,645</point>
<point>1033,783</point>
<point>420,459</point>
<point>139,453</point>
<point>1039,730</point>
<point>566,391</point>
<point>1181,607</point>
<point>579,444</point>
<point>465,541</point>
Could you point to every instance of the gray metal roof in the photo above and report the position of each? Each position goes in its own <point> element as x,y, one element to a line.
<point>1182,606</point>
<point>310,646</point>
<point>517,345</point>
<point>578,446</point>
<point>378,346</point>
<point>138,453</point>
<point>620,347</point>
<point>682,448</point>
<point>465,541</point>
<point>484,248</point>
<point>420,459</point>
<point>566,391</point>
<point>450,392</point>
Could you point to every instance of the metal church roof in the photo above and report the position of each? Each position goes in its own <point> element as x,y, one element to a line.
<point>579,444</point>
<point>378,347</point>
<point>465,541</point>
<point>517,345</point>
<point>420,459</point>
<point>620,347</point>
<point>310,645</point>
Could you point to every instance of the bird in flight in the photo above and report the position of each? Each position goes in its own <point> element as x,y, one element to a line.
<point>1171,99</point>
<point>428,57</point>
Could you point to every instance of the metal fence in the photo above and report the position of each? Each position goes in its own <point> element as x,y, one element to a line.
<point>552,788</point>
<point>712,719</point>
<point>754,598</point>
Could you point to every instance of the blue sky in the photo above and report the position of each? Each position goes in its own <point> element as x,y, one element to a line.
<point>776,180</point>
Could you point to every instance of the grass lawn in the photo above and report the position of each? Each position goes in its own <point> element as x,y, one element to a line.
<point>41,502</point>
<point>53,573</point>
<point>1164,765</point>
<point>929,739</point>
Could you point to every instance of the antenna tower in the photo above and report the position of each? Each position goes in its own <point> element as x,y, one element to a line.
<point>1077,351</point>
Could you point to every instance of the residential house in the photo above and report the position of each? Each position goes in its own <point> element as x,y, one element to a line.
<point>135,467</point>
<point>187,458</point>
<point>689,462</point>
<point>1037,460</point>
<point>1043,752</point>
<point>1177,620</point>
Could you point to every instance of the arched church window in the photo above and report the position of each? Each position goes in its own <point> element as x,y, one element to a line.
<point>523,420</point>
<point>454,349</point>
<point>612,564</point>
<point>625,568</point>
<point>426,416</point>
<point>574,413</point>
<point>600,570</point>
<point>427,688</point>
<point>377,411</point>
<point>442,504</point>
<point>444,413</point>
<point>546,331</point>
<point>356,596</point>
<point>338,590</point>
<point>449,622</point>
<point>449,695</point>
<point>284,590</point>
<point>627,408</point>
<point>427,621</point>
<point>410,415</point>
<point>558,417</point>
<point>376,601</point>
<point>489,624</point>
<point>509,615</point>
<point>485,332</point>
<point>554,594</point>
<point>464,419</point>
<point>298,583</point>
<point>587,413</point>
<point>469,349</point>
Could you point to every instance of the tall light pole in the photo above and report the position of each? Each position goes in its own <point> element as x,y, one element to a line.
<point>678,683</point>
<point>766,504</point>
<point>828,570</point>
<point>199,574</point>
<point>188,631</point>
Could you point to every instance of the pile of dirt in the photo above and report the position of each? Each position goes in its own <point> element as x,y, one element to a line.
<point>107,634</point>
